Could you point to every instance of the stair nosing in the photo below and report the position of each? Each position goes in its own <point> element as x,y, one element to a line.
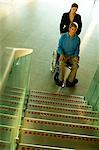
<point>58,94</point>
<point>93,118</point>
<point>65,103</point>
<point>43,146</point>
<point>70,123</point>
<point>53,132</point>
<point>82,110</point>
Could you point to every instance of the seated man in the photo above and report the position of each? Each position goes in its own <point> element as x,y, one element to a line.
<point>68,49</point>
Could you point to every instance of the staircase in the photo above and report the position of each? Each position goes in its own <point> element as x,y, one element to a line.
<point>11,107</point>
<point>48,121</point>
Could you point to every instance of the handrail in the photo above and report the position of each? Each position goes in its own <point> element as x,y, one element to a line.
<point>20,52</point>
<point>14,54</point>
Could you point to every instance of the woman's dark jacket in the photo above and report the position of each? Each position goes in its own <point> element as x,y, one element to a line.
<point>65,22</point>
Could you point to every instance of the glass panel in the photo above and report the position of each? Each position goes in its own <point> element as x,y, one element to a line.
<point>92,95</point>
<point>14,87</point>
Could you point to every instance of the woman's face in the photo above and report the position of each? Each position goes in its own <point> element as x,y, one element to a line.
<point>73,10</point>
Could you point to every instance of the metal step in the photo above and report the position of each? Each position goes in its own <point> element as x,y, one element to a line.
<point>9,99</point>
<point>60,104</point>
<point>45,93</point>
<point>12,100</point>
<point>9,110</point>
<point>59,126</point>
<point>58,139</point>
<point>79,101</point>
<point>39,147</point>
<point>9,120</point>
<point>15,89</point>
<point>10,103</point>
<point>51,121</point>
<point>6,133</point>
<point>4,145</point>
<point>64,110</point>
<point>61,117</point>
<point>14,92</point>
<point>13,96</point>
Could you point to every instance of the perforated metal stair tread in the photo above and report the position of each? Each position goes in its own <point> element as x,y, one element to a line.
<point>6,119</point>
<point>4,107</point>
<point>13,96</point>
<point>40,147</point>
<point>57,138</point>
<point>64,110</point>
<point>54,94</point>
<point>52,125</point>
<point>4,144</point>
<point>62,117</point>
<point>57,101</point>
<point>6,132</point>
<point>62,104</point>
<point>49,121</point>
<point>58,133</point>
<point>56,98</point>
<point>8,102</point>
<point>58,122</point>
<point>13,91</point>
<point>15,88</point>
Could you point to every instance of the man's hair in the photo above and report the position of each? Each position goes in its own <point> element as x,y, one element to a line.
<point>73,24</point>
<point>74,5</point>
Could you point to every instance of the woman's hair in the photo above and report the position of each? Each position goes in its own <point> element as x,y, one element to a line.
<point>74,5</point>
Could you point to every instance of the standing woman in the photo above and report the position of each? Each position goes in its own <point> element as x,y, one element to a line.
<point>70,17</point>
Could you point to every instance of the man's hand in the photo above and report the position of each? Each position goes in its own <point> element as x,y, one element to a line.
<point>76,59</point>
<point>62,57</point>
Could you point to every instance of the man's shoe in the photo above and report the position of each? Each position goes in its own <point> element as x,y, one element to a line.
<point>59,83</point>
<point>71,84</point>
<point>75,81</point>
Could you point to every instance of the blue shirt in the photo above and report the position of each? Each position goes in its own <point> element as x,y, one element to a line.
<point>69,46</point>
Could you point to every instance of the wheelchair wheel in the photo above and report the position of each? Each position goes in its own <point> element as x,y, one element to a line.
<point>53,61</point>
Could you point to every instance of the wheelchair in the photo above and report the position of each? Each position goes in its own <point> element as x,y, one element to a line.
<point>55,66</point>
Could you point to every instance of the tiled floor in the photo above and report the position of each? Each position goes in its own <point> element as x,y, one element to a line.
<point>35,24</point>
